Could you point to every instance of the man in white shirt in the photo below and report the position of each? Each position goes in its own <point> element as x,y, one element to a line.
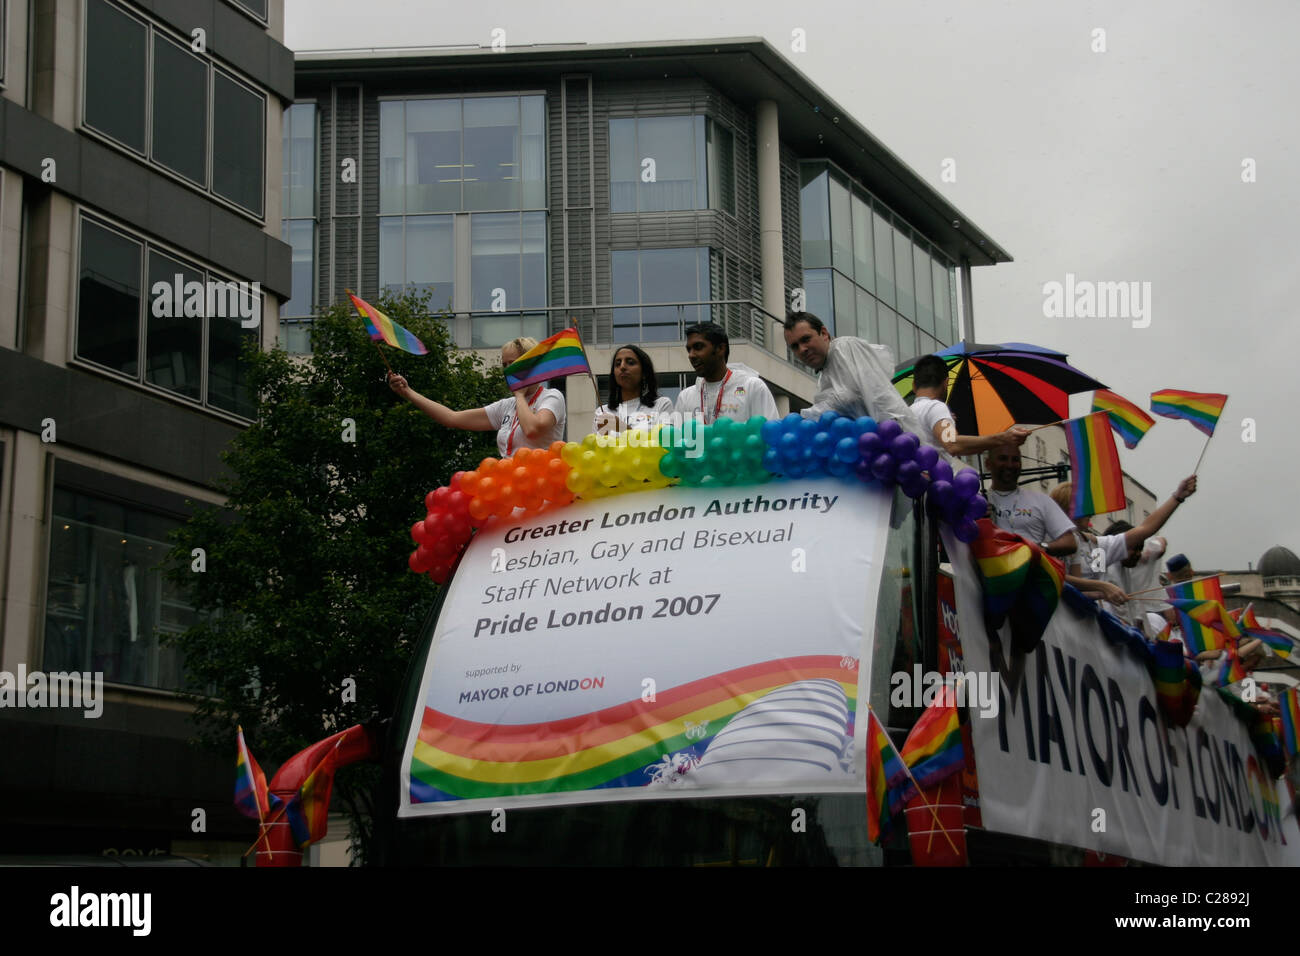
<point>1030,514</point>
<point>724,389</point>
<point>930,383</point>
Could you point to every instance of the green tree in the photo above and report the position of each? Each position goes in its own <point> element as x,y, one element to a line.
<point>306,583</point>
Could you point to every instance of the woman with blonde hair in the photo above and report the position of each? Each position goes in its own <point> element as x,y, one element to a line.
<point>531,418</point>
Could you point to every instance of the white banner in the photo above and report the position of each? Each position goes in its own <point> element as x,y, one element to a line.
<point>1080,754</point>
<point>682,642</point>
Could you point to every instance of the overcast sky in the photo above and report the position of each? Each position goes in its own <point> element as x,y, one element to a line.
<point>1122,165</point>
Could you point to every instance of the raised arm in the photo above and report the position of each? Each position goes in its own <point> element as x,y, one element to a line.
<point>945,432</point>
<point>473,419</point>
<point>1065,544</point>
<point>1135,537</point>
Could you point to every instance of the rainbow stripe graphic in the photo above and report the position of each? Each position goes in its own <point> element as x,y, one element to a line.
<point>1208,589</point>
<point>1290,706</point>
<point>1126,418</point>
<point>556,357</point>
<point>934,750</point>
<point>1202,409</point>
<point>619,746</point>
<point>1098,481</point>
<point>384,329</point>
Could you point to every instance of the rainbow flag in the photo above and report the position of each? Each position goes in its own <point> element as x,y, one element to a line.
<point>308,810</point>
<point>560,355</point>
<point>1020,582</point>
<point>888,787</point>
<point>1098,481</point>
<point>933,750</point>
<point>1231,669</point>
<point>1126,418</point>
<point>251,796</point>
<point>1206,625</point>
<point>1176,691</point>
<point>1207,589</point>
<point>1202,409</point>
<point>384,329</point>
<point>1279,643</point>
<point>1290,707</point>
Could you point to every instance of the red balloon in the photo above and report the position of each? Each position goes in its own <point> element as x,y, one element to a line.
<point>443,548</point>
<point>424,554</point>
<point>430,502</point>
<point>457,502</point>
<point>439,496</point>
<point>440,574</point>
<point>416,565</point>
<point>454,484</point>
<point>417,532</point>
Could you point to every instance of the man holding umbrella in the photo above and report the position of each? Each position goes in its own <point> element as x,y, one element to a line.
<point>930,382</point>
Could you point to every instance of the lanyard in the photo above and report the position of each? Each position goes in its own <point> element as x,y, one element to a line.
<point>717,408</point>
<point>510,442</point>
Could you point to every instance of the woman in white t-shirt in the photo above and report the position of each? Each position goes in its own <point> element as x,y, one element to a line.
<point>531,418</point>
<point>634,400</point>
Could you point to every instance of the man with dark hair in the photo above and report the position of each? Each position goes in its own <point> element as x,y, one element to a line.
<point>1028,513</point>
<point>853,375</point>
<point>724,389</point>
<point>930,383</point>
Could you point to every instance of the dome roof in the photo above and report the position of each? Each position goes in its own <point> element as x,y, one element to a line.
<point>1278,560</point>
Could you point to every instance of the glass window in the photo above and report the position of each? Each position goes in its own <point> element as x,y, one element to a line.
<point>722,168</point>
<point>108,604</point>
<point>392,263</point>
<point>298,194</point>
<point>817,295</point>
<point>942,305</point>
<point>108,300</point>
<point>903,273</point>
<point>256,7</point>
<point>533,280</point>
<point>868,328</point>
<point>433,155</point>
<point>492,172</point>
<point>846,306</point>
<point>670,142</point>
<point>533,151</point>
<point>908,346</point>
<point>841,227</point>
<point>238,127</point>
<point>815,216</point>
<point>227,368</point>
<point>392,156</point>
<point>117,67</point>
<point>884,248</point>
<point>864,272</point>
<point>888,322</point>
<point>624,167</point>
<point>180,110</point>
<point>495,246</point>
<point>300,234</point>
<point>431,258</point>
<point>659,275</point>
<point>923,286</point>
<point>174,325</point>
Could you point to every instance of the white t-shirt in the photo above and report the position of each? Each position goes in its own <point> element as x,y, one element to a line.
<point>510,438</point>
<point>744,395</point>
<point>1113,548</point>
<point>1144,576</point>
<point>634,414</point>
<point>1030,514</point>
<point>930,412</point>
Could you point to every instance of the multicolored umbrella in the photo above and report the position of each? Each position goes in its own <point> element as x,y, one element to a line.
<point>992,387</point>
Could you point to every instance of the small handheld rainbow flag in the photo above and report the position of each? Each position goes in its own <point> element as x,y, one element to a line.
<point>1231,669</point>
<point>933,750</point>
<point>384,329</point>
<point>251,796</point>
<point>308,810</point>
<point>1126,418</point>
<point>888,787</point>
<point>1279,643</point>
<point>1098,481</point>
<point>1177,690</point>
<point>1020,582</point>
<point>1206,589</point>
<point>1206,625</point>
<point>1202,409</point>
<point>1290,707</point>
<point>560,355</point>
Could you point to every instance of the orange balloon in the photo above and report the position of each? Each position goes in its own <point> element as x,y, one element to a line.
<point>489,489</point>
<point>479,509</point>
<point>469,483</point>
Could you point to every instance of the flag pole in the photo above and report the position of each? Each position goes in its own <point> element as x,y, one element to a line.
<point>1161,587</point>
<point>1204,449</point>
<point>375,344</point>
<point>919,792</point>
<point>1049,424</point>
<point>590,374</point>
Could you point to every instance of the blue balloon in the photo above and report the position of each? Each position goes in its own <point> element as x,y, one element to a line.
<point>794,469</point>
<point>889,429</point>
<point>823,444</point>
<point>942,471</point>
<point>865,424</point>
<point>837,467</point>
<point>842,428</point>
<point>791,421</point>
<point>884,467</point>
<point>926,456</point>
<point>789,446</point>
<point>807,429</point>
<point>771,432</point>
<point>847,450</point>
<point>772,461</point>
<point>862,468</point>
<point>828,418</point>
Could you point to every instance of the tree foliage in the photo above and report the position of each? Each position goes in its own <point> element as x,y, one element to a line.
<point>306,583</point>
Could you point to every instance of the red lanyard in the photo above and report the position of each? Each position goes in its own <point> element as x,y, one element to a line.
<point>717,409</point>
<point>510,442</point>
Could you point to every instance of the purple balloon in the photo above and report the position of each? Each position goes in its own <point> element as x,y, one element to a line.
<point>904,447</point>
<point>967,531</point>
<point>862,468</point>
<point>883,467</point>
<point>966,483</point>
<point>908,472</point>
<point>869,445</point>
<point>889,429</point>
<point>977,507</point>
<point>941,492</point>
<point>926,456</point>
<point>914,488</point>
<point>942,471</point>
